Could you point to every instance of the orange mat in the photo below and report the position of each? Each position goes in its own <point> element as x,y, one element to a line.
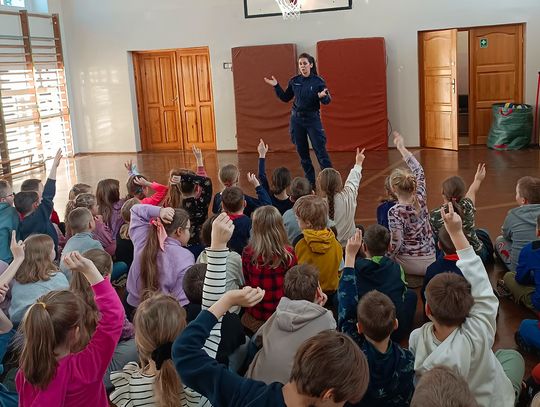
<point>355,72</point>
<point>259,113</point>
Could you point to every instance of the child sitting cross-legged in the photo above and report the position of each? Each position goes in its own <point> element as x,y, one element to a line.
<point>463,312</point>
<point>375,272</point>
<point>299,316</point>
<point>391,367</point>
<point>233,204</point>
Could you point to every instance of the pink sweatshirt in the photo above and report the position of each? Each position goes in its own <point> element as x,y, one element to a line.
<point>79,376</point>
<point>159,194</point>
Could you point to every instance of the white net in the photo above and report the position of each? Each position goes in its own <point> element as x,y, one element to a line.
<point>290,9</point>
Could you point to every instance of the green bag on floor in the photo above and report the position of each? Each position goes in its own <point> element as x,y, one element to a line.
<point>511,126</point>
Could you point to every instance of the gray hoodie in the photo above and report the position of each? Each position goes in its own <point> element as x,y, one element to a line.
<point>519,229</point>
<point>283,333</point>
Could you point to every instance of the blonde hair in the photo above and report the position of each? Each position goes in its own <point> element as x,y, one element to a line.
<point>312,210</point>
<point>81,287</point>
<point>268,238</point>
<point>329,184</point>
<point>404,182</point>
<point>79,220</point>
<point>158,321</point>
<point>78,189</point>
<point>126,215</point>
<point>228,175</point>
<point>37,264</point>
<point>175,194</point>
<point>46,325</point>
<point>83,200</point>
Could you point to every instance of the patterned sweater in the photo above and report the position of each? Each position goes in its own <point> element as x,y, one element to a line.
<point>409,226</point>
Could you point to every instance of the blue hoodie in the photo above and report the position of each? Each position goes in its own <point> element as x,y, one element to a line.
<point>9,221</point>
<point>528,270</point>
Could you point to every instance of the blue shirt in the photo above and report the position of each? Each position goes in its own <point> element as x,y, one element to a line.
<point>528,270</point>
<point>282,205</point>
<point>305,92</point>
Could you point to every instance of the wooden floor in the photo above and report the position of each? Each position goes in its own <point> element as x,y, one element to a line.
<point>496,197</point>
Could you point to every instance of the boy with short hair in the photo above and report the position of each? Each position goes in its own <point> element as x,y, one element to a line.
<point>519,227</point>
<point>391,367</point>
<point>35,184</point>
<point>445,264</point>
<point>524,283</point>
<point>9,220</point>
<point>36,211</point>
<point>442,387</point>
<point>228,177</point>
<point>82,224</point>
<point>463,312</point>
<point>299,316</point>
<point>318,245</point>
<point>233,203</point>
<point>375,272</point>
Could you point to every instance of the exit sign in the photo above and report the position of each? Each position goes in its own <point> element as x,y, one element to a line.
<point>483,42</point>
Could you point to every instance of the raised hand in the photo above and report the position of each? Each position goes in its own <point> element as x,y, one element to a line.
<point>4,288</point>
<point>57,158</point>
<point>480,173</point>
<point>354,244</point>
<point>142,182</point>
<point>360,157</point>
<point>452,220</point>
<point>246,297</point>
<point>323,93</point>
<point>262,148</point>
<point>198,156</point>
<point>128,165</point>
<point>398,140</point>
<point>222,230</point>
<point>17,248</point>
<point>166,215</point>
<point>252,179</point>
<point>272,82</point>
<point>80,264</point>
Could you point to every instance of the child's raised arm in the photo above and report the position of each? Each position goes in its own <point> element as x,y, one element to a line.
<point>201,171</point>
<point>413,165</point>
<point>475,186</point>
<point>262,149</point>
<point>17,249</point>
<point>484,310</point>
<point>5,324</point>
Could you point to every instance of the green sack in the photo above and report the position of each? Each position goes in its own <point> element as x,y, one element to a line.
<point>511,126</point>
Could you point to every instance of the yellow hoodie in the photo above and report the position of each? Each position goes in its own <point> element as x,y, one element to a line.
<point>320,248</point>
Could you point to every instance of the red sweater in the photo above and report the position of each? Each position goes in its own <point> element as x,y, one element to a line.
<point>268,278</point>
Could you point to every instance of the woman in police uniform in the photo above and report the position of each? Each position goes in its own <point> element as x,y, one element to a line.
<point>309,91</point>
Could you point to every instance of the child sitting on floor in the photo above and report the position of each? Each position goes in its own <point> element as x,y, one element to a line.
<point>385,203</point>
<point>233,204</point>
<point>9,220</point>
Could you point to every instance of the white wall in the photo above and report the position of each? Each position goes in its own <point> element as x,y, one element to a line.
<point>98,35</point>
<point>463,62</point>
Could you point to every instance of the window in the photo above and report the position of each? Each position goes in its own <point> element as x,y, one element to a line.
<point>13,3</point>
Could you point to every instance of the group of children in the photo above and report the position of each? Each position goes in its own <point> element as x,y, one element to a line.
<point>274,300</point>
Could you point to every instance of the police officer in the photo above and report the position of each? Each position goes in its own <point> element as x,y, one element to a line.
<point>309,91</point>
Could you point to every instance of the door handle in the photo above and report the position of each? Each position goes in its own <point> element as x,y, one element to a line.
<point>175,99</point>
<point>453,85</point>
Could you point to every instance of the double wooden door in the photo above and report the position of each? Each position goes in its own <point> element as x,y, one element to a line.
<point>174,99</point>
<point>495,75</point>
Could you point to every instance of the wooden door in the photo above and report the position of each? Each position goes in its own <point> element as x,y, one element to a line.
<point>496,74</point>
<point>438,97</point>
<point>197,104</point>
<point>157,100</point>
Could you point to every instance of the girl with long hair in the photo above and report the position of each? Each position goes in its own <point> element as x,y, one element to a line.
<point>110,204</point>
<point>37,275</point>
<point>159,237</point>
<point>412,244</point>
<point>52,372</point>
<point>139,187</point>
<point>153,382</point>
<point>342,198</point>
<point>124,245</point>
<point>265,261</point>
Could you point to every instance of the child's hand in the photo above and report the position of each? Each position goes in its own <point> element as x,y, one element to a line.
<point>354,244</point>
<point>360,157</point>
<point>451,219</point>
<point>17,248</point>
<point>166,215</point>
<point>222,230</point>
<point>176,179</point>
<point>198,156</point>
<point>246,297</point>
<point>57,158</point>
<point>480,173</point>
<point>398,140</point>
<point>142,182</point>
<point>262,149</point>
<point>128,165</point>
<point>4,288</point>
<point>252,179</point>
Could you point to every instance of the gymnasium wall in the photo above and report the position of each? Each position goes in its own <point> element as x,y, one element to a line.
<point>99,34</point>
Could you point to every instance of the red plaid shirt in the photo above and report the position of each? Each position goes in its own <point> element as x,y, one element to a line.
<point>269,279</point>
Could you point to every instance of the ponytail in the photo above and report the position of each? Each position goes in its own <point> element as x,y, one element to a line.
<point>166,385</point>
<point>404,182</point>
<point>149,268</point>
<point>175,194</point>
<point>46,325</point>
<point>329,183</point>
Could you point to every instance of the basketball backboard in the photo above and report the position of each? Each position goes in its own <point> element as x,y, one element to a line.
<point>267,8</point>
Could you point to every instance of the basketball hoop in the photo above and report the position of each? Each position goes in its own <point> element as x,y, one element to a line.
<point>290,9</point>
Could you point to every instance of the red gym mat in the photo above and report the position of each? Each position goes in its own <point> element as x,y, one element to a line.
<point>355,72</point>
<point>259,113</point>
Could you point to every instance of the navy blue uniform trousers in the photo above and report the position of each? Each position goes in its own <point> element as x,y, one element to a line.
<point>302,126</point>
